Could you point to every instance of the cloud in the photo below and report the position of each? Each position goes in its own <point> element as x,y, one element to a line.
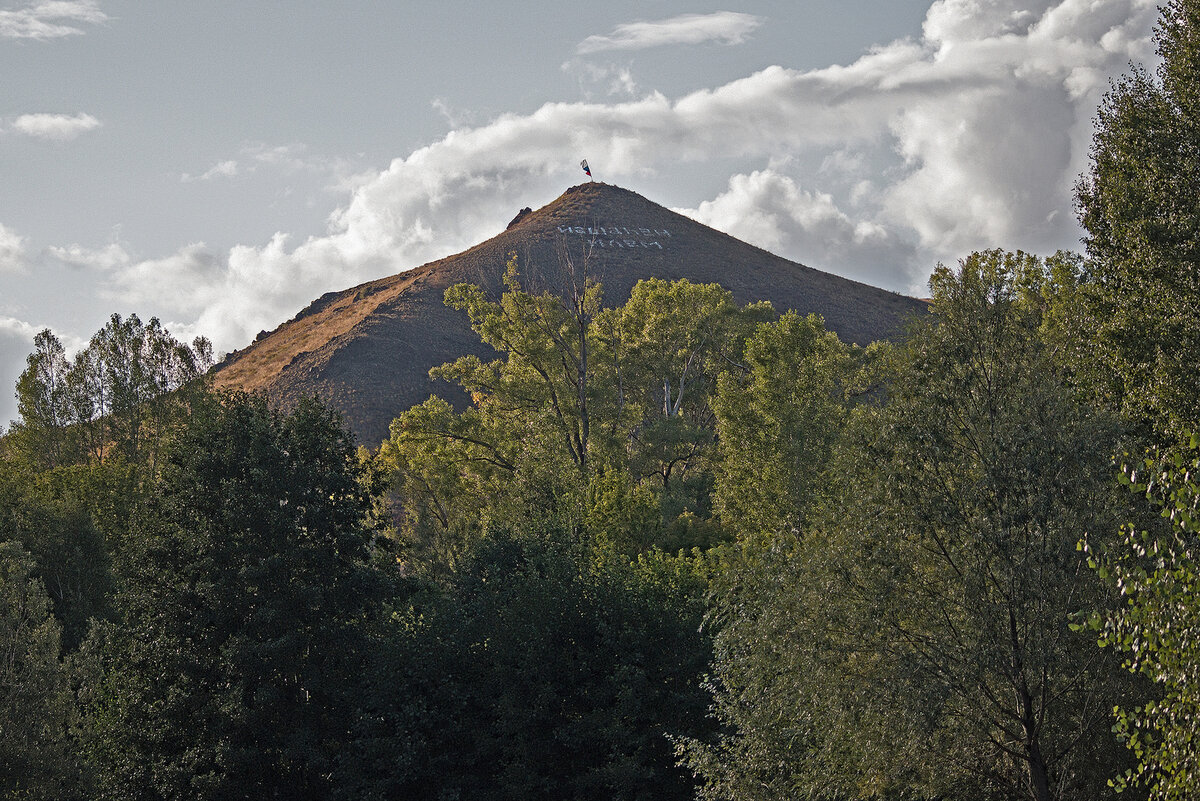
<point>340,174</point>
<point>454,117</point>
<point>726,27</point>
<point>613,79</point>
<point>223,169</point>
<point>102,259</point>
<point>917,152</point>
<point>12,251</point>
<point>770,210</point>
<point>50,19</point>
<point>57,127</point>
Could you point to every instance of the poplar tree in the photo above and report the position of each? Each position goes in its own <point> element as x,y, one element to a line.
<point>1140,204</point>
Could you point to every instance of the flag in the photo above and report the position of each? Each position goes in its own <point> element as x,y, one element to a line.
<point>585,168</point>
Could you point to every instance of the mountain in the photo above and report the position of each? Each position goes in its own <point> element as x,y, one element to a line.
<point>367,350</point>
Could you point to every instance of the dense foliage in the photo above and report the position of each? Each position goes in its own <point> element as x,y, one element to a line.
<point>1158,570</point>
<point>592,418</point>
<point>243,590</point>
<point>1141,209</point>
<point>913,639</point>
<point>1142,213</point>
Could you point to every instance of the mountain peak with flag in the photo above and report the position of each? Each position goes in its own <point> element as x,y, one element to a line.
<point>367,350</point>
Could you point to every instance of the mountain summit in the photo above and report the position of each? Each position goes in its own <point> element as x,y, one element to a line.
<point>367,350</point>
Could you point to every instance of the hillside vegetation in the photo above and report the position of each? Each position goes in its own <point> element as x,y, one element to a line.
<point>671,544</point>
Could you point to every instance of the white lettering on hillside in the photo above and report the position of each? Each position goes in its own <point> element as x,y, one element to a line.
<point>619,236</point>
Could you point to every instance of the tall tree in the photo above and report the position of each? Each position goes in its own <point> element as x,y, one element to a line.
<point>243,593</point>
<point>777,420</point>
<point>1157,571</point>
<point>578,397</point>
<point>42,402</point>
<point>1140,204</point>
<point>118,396</point>
<point>37,710</point>
<point>914,640</point>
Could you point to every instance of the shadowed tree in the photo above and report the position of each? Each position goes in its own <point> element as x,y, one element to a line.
<point>914,640</point>
<point>231,670</point>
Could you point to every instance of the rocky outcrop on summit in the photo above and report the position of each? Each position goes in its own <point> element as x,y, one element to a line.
<point>367,350</point>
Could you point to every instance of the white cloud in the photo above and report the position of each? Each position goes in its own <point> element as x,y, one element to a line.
<point>612,79</point>
<point>222,169</point>
<point>726,27</point>
<point>340,174</point>
<point>185,282</point>
<point>454,117</point>
<point>18,329</point>
<point>103,259</point>
<point>950,21</point>
<point>770,210</point>
<point>971,137</point>
<point>58,127</point>
<point>50,19</point>
<point>12,251</point>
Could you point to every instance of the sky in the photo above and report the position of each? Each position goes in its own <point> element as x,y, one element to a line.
<point>219,165</point>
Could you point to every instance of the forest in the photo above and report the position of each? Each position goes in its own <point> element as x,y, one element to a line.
<point>673,549</point>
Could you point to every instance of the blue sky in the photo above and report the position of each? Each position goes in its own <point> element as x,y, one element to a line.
<point>220,164</point>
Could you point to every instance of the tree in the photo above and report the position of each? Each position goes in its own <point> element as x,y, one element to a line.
<point>913,640</point>
<point>45,513</point>
<point>1157,571</point>
<point>1141,207</point>
<point>231,669</point>
<point>669,343</point>
<point>578,396</point>
<point>1140,204</point>
<point>42,401</point>
<point>546,669</point>
<point>118,396</point>
<point>37,710</point>
<point>547,370</point>
<point>777,422</point>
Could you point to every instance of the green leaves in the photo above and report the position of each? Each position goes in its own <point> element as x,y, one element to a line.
<point>245,589</point>
<point>584,406</point>
<point>909,633</point>
<point>1157,571</point>
<point>777,422</point>
<point>1141,210</point>
<point>37,711</point>
<point>119,396</point>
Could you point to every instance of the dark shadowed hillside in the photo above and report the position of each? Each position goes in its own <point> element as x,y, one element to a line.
<point>368,350</point>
